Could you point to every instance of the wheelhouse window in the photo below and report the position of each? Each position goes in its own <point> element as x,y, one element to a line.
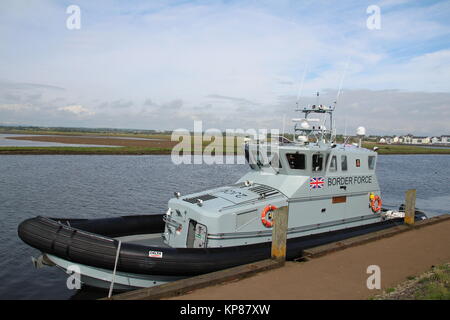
<point>275,161</point>
<point>296,160</point>
<point>333,164</point>
<point>265,158</point>
<point>317,162</point>
<point>371,162</point>
<point>249,157</point>
<point>344,163</point>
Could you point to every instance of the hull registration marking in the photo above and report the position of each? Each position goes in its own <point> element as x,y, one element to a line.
<point>155,254</point>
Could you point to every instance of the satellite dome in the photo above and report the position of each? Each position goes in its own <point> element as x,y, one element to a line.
<point>361,131</point>
<point>304,124</point>
<point>302,139</point>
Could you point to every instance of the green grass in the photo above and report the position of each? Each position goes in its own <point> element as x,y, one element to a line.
<point>87,133</point>
<point>84,150</point>
<point>143,150</point>
<point>232,146</point>
<point>237,142</point>
<point>404,149</point>
<point>431,285</point>
<point>92,150</point>
<point>436,286</point>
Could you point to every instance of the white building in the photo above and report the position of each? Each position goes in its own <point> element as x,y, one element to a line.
<point>421,140</point>
<point>445,139</point>
<point>407,139</point>
<point>435,140</point>
<point>410,139</point>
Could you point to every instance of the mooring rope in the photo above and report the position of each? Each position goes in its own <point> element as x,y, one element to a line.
<point>114,272</point>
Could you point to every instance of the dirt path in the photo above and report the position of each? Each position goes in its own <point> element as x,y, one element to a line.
<point>342,274</point>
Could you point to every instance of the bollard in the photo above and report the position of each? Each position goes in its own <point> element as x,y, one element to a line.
<point>279,233</point>
<point>410,206</point>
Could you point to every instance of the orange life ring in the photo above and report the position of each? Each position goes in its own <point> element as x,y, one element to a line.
<point>266,216</point>
<point>378,201</point>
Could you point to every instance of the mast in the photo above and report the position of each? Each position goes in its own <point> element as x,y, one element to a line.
<point>309,128</point>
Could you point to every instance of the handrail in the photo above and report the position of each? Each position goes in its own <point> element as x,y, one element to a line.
<point>115,268</point>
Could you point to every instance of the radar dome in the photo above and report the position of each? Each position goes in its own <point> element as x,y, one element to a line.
<point>304,124</point>
<point>302,139</point>
<point>361,131</point>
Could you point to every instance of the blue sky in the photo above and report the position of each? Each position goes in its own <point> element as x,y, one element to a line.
<point>232,64</point>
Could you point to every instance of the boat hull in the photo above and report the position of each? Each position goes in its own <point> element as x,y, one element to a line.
<point>101,278</point>
<point>66,242</point>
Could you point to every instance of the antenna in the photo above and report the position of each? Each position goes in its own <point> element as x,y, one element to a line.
<point>345,128</point>
<point>337,98</point>
<point>300,89</point>
<point>342,81</point>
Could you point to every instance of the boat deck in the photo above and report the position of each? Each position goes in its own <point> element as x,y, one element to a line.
<point>153,240</point>
<point>343,274</point>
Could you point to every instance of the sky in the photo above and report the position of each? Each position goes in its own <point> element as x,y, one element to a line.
<point>231,64</point>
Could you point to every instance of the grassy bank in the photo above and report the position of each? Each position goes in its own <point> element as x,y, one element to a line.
<point>89,150</point>
<point>83,150</point>
<point>165,147</point>
<point>118,134</point>
<point>432,285</point>
<point>405,149</point>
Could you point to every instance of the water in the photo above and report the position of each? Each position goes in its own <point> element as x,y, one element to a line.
<point>428,174</point>
<point>105,186</point>
<point>85,187</point>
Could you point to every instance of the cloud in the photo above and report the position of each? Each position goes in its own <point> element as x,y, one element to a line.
<point>428,72</point>
<point>385,112</point>
<point>77,110</point>
<point>17,107</point>
<point>232,99</point>
<point>232,63</point>
<point>27,86</point>
<point>117,104</point>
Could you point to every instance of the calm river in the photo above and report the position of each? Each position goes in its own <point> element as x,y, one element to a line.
<point>105,186</point>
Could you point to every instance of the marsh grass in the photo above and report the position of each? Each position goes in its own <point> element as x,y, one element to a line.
<point>405,149</point>
<point>436,286</point>
<point>84,150</point>
<point>432,285</point>
<point>231,146</point>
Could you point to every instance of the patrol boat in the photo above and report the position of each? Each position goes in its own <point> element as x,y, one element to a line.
<point>331,191</point>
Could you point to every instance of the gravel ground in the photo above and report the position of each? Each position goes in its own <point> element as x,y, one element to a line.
<point>433,284</point>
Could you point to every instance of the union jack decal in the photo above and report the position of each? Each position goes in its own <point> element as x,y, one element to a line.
<point>316,183</point>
